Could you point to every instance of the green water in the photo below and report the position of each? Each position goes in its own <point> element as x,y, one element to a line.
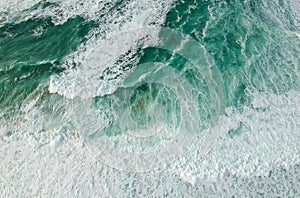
<point>266,62</point>
<point>33,50</point>
<point>254,51</point>
<point>253,45</point>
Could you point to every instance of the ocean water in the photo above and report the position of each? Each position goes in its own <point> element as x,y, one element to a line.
<point>129,98</point>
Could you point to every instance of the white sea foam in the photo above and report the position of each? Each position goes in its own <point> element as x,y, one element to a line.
<point>100,52</point>
<point>253,141</point>
<point>91,78</point>
<point>268,138</point>
<point>42,159</point>
<point>113,16</point>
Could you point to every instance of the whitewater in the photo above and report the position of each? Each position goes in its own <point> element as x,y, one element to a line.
<point>128,98</point>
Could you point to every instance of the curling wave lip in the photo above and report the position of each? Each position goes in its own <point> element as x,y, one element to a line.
<point>130,152</point>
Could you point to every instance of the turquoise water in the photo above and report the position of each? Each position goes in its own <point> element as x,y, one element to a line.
<point>152,87</point>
